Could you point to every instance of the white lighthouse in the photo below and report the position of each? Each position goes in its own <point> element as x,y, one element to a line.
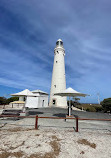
<point>58,83</point>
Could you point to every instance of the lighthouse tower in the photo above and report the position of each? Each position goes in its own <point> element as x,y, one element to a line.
<point>58,83</point>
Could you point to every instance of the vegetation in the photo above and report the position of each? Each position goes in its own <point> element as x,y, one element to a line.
<point>73,103</point>
<point>11,99</point>
<point>90,107</point>
<point>104,107</point>
<point>86,107</point>
<point>106,104</point>
<point>76,99</point>
<point>4,101</point>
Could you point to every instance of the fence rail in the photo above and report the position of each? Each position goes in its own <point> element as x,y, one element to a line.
<point>65,118</point>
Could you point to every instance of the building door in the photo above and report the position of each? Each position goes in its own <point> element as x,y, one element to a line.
<point>43,103</point>
<point>54,102</point>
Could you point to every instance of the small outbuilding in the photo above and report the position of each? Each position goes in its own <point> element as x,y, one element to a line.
<point>33,99</point>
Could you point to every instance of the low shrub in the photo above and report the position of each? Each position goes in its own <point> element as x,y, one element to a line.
<point>91,109</point>
<point>98,109</point>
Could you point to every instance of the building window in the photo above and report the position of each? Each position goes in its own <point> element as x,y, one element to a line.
<point>54,102</point>
<point>56,61</point>
<point>55,86</point>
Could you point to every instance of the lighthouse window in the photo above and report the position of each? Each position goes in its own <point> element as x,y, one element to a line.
<point>55,86</point>
<point>57,43</point>
<point>61,43</point>
<point>56,61</point>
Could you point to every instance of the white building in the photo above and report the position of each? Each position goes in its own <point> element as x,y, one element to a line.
<point>34,99</point>
<point>40,99</point>
<point>58,83</point>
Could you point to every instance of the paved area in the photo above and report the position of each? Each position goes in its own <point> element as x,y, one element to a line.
<point>61,123</point>
<point>60,112</point>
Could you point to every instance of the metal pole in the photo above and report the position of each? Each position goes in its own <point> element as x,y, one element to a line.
<point>69,107</point>
<point>76,124</point>
<point>98,98</point>
<point>36,122</point>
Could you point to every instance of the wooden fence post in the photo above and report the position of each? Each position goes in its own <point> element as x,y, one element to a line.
<point>76,124</point>
<point>36,122</point>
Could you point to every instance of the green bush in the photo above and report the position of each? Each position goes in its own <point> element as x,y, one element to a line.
<point>2,100</point>
<point>106,104</point>
<point>11,99</point>
<point>98,109</point>
<point>91,109</point>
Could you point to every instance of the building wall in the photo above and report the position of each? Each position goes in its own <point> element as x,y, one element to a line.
<point>21,98</point>
<point>37,102</point>
<point>31,102</point>
<point>43,101</point>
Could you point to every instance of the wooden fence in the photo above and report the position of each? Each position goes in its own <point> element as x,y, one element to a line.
<point>65,118</point>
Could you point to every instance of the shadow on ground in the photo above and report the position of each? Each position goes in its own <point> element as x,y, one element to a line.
<point>34,112</point>
<point>59,115</point>
<point>76,116</point>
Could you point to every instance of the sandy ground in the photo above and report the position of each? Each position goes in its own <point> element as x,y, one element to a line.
<point>55,138</point>
<point>51,142</point>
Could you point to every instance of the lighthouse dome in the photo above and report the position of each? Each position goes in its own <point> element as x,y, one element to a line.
<point>59,42</point>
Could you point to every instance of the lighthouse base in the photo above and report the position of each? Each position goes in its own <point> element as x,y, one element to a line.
<point>58,101</point>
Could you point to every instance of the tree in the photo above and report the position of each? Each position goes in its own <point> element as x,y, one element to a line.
<point>76,99</point>
<point>2,100</point>
<point>106,104</point>
<point>11,99</point>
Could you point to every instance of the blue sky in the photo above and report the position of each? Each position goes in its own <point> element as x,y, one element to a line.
<point>29,30</point>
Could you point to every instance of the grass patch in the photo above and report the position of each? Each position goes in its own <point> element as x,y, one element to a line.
<point>17,129</point>
<point>14,129</point>
<point>37,135</point>
<point>86,142</point>
<point>6,154</point>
